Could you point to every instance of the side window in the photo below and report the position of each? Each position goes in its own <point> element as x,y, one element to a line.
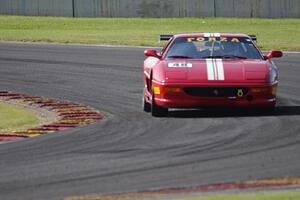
<point>251,51</point>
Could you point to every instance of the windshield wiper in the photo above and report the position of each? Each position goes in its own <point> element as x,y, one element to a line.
<point>179,56</point>
<point>234,56</point>
<point>212,57</point>
<point>225,56</point>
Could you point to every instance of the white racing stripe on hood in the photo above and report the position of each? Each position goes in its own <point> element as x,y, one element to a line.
<point>215,69</point>
<point>220,69</point>
<point>210,70</point>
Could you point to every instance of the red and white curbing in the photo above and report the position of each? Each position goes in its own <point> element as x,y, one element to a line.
<point>70,115</point>
<point>182,192</point>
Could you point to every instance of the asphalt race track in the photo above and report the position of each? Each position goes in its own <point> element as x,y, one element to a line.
<point>129,150</point>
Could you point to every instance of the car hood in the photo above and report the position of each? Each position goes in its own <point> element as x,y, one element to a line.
<point>215,70</point>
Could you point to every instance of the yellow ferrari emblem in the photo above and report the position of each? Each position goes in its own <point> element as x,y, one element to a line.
<point>240,93</point>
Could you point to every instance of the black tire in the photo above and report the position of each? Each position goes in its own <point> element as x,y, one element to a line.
<point>269,110</point>
<point>158,111</point>
<point>146,106</point>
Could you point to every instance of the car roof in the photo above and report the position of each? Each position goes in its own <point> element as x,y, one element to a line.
<point>211,35</point>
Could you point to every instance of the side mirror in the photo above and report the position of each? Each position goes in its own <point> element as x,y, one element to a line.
<point>274,54</point>
<point>152,53</point>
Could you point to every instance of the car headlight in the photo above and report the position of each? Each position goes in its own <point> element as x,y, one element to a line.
<point>273,75</point>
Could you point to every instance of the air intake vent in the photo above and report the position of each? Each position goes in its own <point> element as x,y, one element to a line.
<point>216,91</point>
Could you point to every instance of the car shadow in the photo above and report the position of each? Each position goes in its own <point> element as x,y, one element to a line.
<point>233,112</point>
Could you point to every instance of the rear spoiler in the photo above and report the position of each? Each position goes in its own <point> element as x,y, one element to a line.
<point>165,37</point>
<point>168,37</point>
<point>253,37</point>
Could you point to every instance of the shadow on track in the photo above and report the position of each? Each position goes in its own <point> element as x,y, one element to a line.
<point>234,112</point>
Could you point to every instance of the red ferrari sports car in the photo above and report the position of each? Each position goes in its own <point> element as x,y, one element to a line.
<point>209,69</point>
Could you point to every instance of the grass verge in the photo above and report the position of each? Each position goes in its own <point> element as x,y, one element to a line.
<point>13,118</point>
<point>268,195</point>
<point>280,34</point>
<point>287,195</point>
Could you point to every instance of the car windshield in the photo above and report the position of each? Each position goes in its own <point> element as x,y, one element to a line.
<point>211,47</point>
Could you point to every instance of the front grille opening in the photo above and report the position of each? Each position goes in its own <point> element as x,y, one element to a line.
<point>216,91</point>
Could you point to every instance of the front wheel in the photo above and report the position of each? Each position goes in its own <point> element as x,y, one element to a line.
<point>269,109</point>
<point>264,110</point>
<point>146,105</point>
<point>158,111</point>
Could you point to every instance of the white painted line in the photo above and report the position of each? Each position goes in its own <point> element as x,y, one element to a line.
<point>285,52</point>
<point>77,44</point>
<point>103,45</point>
<point>291,52</point>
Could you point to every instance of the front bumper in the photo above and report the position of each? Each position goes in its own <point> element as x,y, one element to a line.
<point>173,96</point>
